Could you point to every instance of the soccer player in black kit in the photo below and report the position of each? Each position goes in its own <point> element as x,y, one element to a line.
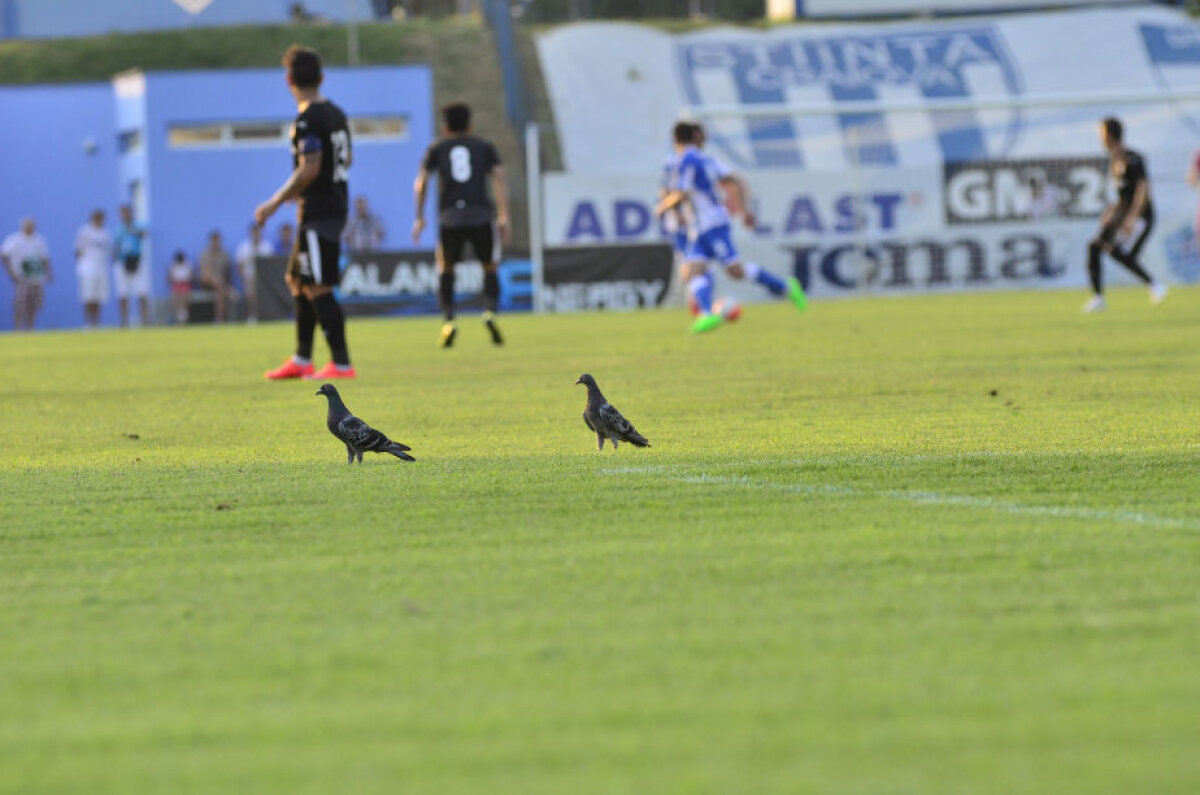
<point>464,165</point>
<point>1125,225</point>
<point>320,160</point>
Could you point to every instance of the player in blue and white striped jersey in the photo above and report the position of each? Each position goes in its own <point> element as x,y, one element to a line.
<point>700,183</point>
<point>676,222</point>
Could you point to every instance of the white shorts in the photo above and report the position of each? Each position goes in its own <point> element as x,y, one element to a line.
<point>93,282</point>
<point>136,284</point>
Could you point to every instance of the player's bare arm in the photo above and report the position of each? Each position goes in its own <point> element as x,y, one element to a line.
<point>420,187</point>
<point>670,201</point>
<point>500,196</point>
<point>307,169</point>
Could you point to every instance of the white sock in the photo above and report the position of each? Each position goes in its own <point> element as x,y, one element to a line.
<point>302,362</point>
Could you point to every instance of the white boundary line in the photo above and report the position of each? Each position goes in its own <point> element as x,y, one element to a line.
<point>926,498</point>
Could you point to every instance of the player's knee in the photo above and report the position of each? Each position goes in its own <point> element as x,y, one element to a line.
<point>736,271</point>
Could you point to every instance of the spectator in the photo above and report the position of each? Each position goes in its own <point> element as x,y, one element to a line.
<point>215,273</point>
<point>246,257</point>
<point>1043,197</point>
<point>179,276</point>
<point>364,231</point>
<point>27,260</point>
<point>93,247</point>
<point>130,275</point>
<point>285,239</point>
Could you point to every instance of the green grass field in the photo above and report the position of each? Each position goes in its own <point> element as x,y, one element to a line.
<point>934,545</point>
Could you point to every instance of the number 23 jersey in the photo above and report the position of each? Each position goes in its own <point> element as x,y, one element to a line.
<point>321,127</point>
<point>463,165</point>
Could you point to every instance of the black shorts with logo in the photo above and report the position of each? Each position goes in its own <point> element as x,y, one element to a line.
<point>483,240</point>
<point>315,258</point>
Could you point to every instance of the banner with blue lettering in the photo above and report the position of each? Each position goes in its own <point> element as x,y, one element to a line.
<point>870,94</point>
<point>783,9</point>
<point>397,283</point>
<point>971,225</point>
<point>956,154</point>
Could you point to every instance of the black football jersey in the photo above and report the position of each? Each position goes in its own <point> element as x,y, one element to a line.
<point>1129,170</point>
<point>463,165</point>
<point>322,127</point>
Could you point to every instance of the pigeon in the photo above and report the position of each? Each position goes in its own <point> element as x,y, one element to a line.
<point>600,416</point>
<point>358,437</point>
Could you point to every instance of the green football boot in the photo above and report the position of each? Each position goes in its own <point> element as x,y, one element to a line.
<point>707,323</point>
<point>796,293</point>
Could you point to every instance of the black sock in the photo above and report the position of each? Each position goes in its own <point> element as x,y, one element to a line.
<point>1094,267</point>
<point>491,290</point>
<point>446,294</point>
<point>306,323</point>
<point>333,323</point>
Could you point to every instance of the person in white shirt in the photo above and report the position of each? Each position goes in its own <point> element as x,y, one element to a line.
<point>246,258</point>
<point>93,252</point>
<point>27,259</point>
<point>1043,197</point>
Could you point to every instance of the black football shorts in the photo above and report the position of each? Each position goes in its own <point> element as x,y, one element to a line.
<point>315,258</point>
<point>483,239</point>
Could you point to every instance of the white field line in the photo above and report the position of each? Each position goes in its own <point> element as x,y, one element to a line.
<point>916,498</point>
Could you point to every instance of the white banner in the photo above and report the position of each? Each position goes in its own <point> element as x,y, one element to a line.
<point>792,9</point>
<point>914,159</point>
<point>899,94</point>
<point>965,227</point>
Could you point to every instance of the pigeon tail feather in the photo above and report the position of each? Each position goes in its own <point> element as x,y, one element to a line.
<point>398,451</point>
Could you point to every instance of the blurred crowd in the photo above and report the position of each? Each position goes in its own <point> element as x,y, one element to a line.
<point>111,261</point>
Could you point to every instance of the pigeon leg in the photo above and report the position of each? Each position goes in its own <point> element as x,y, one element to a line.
<point>359,452</point>
<point>613,439</point>
<point>349,454</point>
<point>600,442</point>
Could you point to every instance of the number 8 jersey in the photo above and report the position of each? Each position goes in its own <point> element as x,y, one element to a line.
<point>321,127</point>
<point>463,164</point>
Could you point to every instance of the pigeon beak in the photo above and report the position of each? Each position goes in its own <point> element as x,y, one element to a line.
<point>318,392</point>
<point>578,381</point>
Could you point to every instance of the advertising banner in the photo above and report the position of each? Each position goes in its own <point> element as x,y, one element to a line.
<point>606,277</point>
<point>967,226</point>
<point>902,94</point>
<point>957,154</point>
<point>792,9</point>
<point>397,283</point>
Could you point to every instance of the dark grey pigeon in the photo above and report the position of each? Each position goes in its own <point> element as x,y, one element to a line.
<point>358,437</point>
<point>600,416</point>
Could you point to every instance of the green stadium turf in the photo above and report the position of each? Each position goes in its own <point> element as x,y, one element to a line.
<point>924,545</point>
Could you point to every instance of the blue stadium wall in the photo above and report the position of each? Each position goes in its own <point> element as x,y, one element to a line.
<point>59,162</point>
<point>54,18</point>
<point>63,160</point>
